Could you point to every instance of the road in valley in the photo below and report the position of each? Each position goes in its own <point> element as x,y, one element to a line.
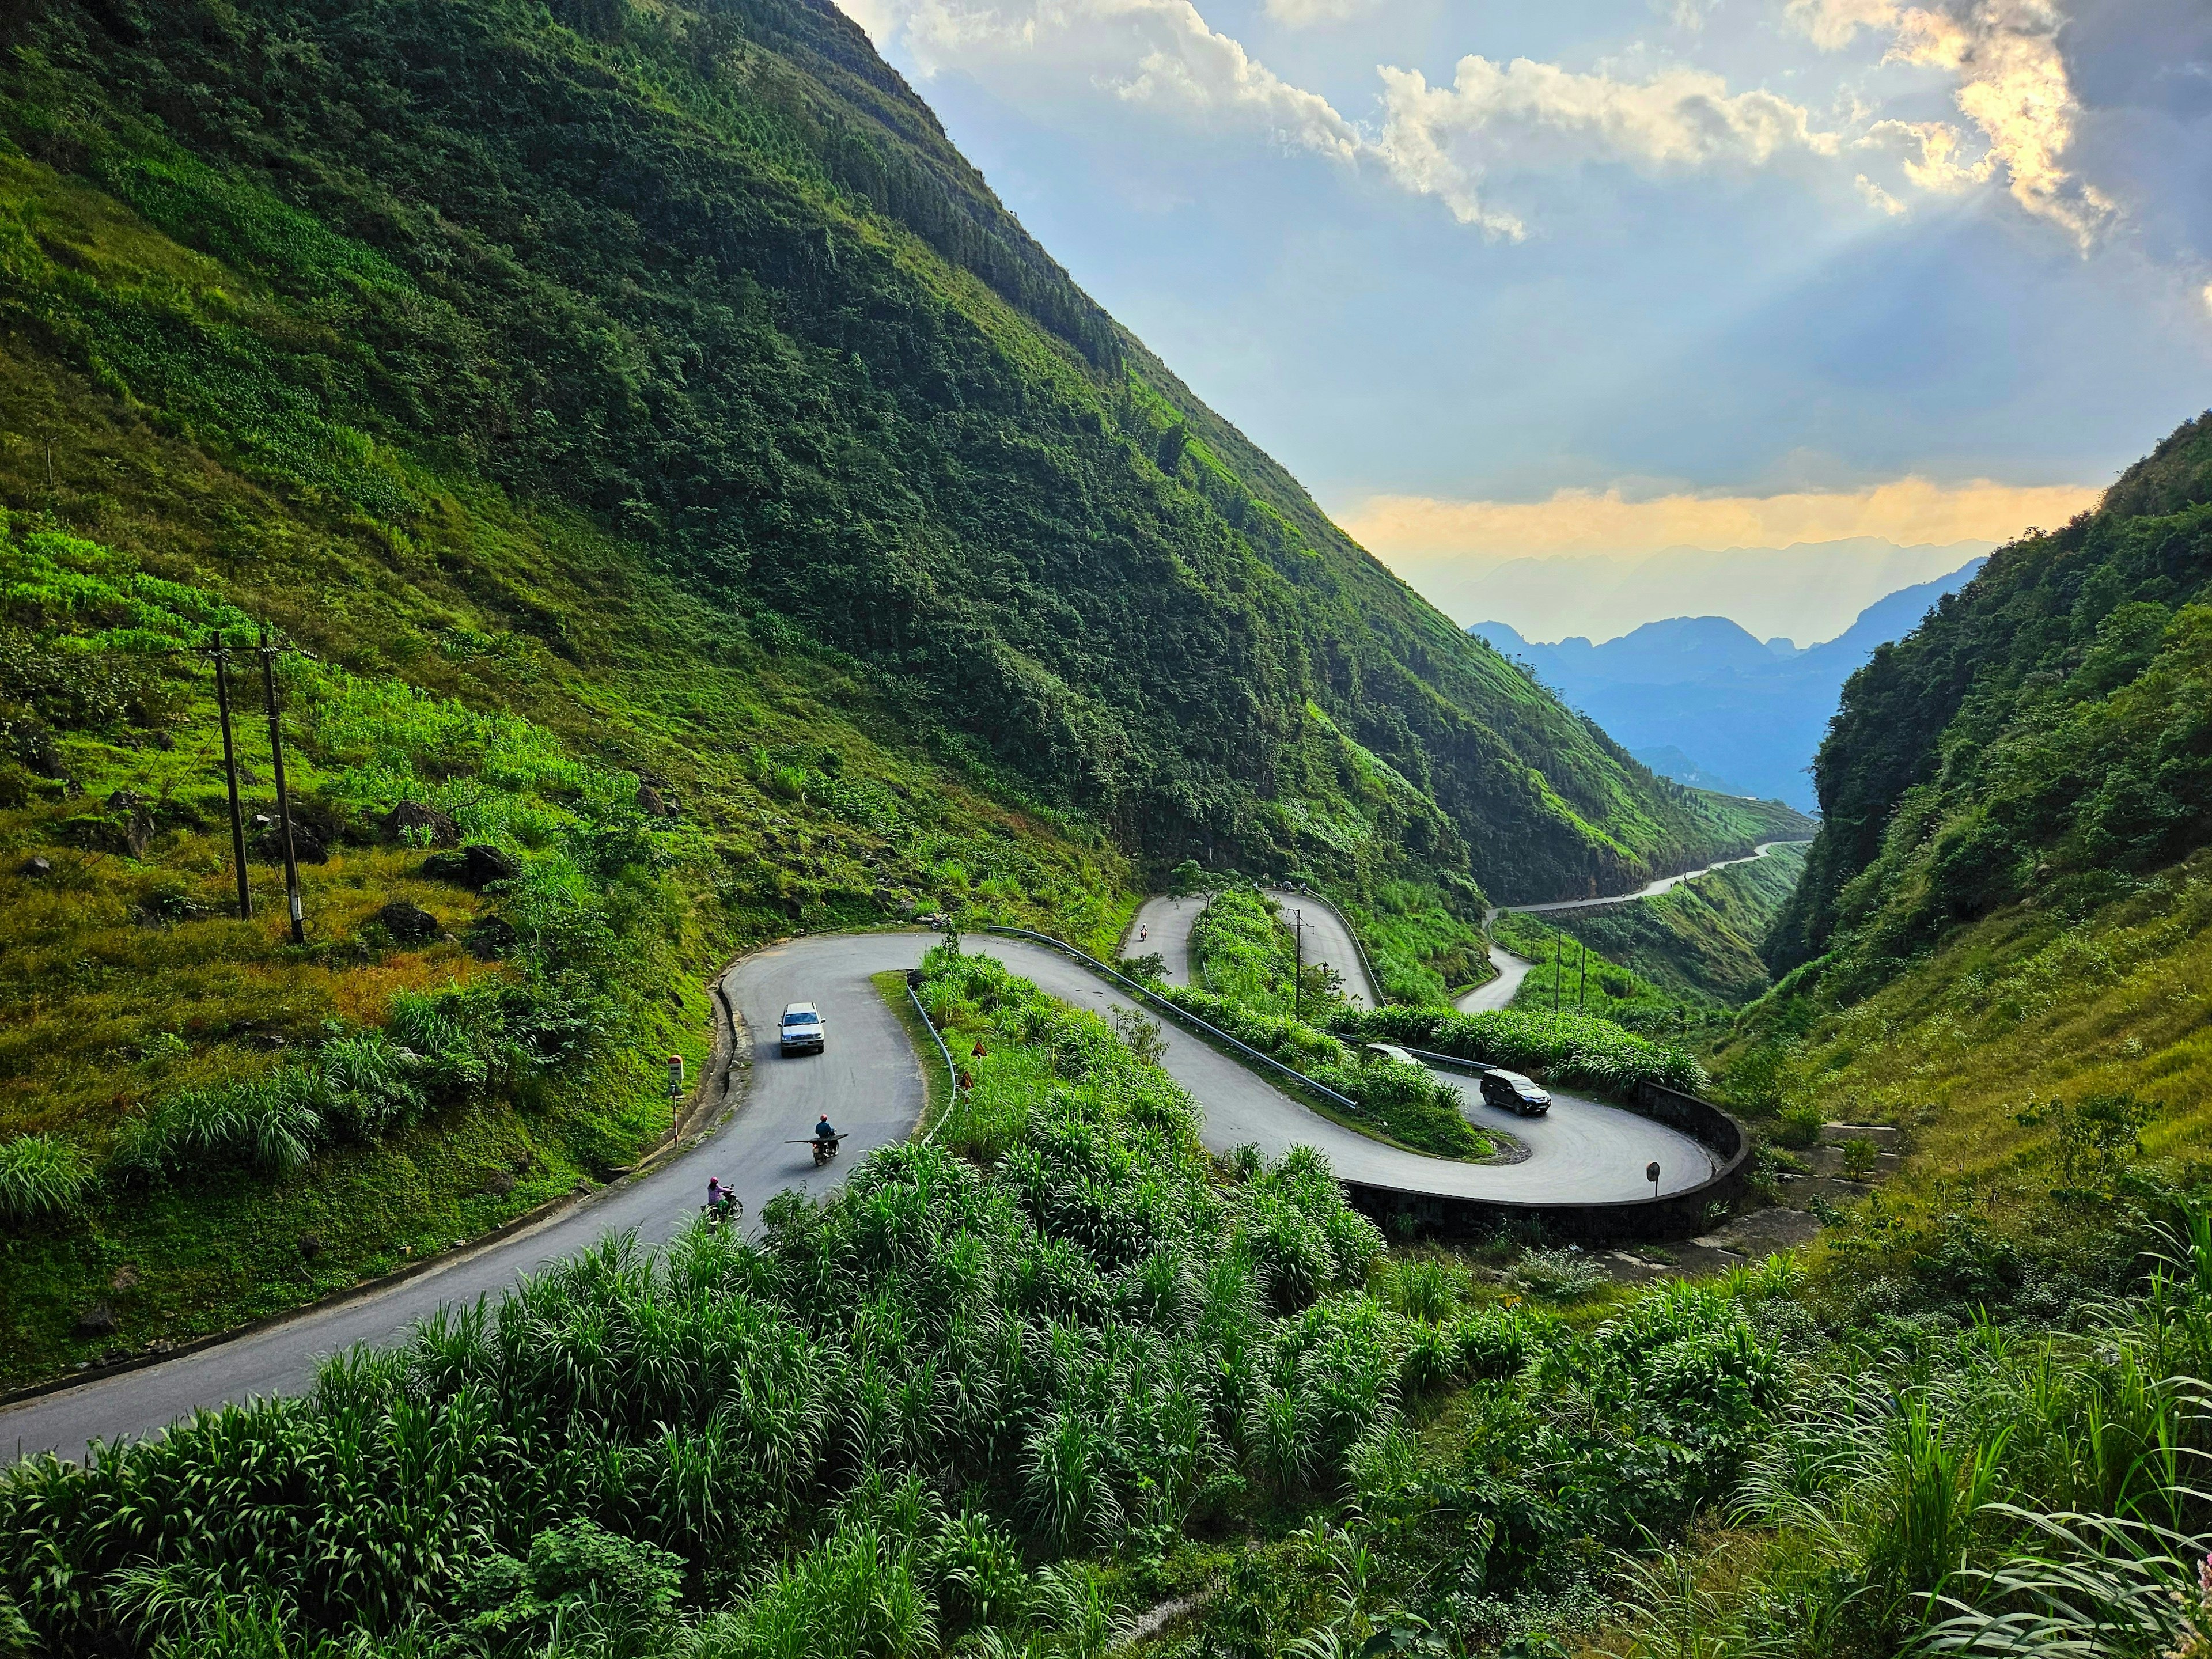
<point>1650,888</point>
<point>1496,993</point>
<point>869,1081</point>
<point>1161,927</point>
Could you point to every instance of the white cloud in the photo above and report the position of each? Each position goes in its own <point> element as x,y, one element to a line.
<point>1151,51</point>
<point>2011,84</point>
<point>1876,197</point>
<point>1310,14</point>
<point>1441,141</point>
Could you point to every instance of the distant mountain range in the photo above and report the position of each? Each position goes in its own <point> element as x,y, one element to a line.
<point>1809,590</point>
<point>1698,699</point>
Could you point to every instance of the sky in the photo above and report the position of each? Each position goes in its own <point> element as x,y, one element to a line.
<point>1590,279</point>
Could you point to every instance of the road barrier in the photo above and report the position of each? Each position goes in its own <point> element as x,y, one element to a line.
<point>952,1072</point>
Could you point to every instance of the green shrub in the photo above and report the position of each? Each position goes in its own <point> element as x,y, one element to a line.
<point>1568,1047</point>
<point>268,1123</point>
<point>40,1175</point>
<point>1557,1275</point>
<point>367,1085</point>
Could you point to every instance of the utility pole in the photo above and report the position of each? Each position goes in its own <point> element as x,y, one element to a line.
<point>221,651</point>
<point>269,655</point>
<point>1298,966</point>
<point>1584,986</point>
<point>1558,948</point>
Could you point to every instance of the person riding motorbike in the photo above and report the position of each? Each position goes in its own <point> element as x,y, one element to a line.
<point>721,1206</point>
<point>825,1140</point>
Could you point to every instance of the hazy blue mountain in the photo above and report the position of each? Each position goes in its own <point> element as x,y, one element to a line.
<point>1669,761</point>
<point>1700,699</point>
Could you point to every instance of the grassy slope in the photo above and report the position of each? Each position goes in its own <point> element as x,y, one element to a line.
<point>2032,1002</point>
<point>1699,941</point>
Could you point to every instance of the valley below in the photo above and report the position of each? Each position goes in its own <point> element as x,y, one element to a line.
<point>536,538</point>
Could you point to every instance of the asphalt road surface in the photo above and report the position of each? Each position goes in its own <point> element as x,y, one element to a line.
<point>1328,942</point>
<point>869,1081</point>
<point>1165,925</point>
<point>1162,928</point>
<point>1650,888</point>
<point>1496,993</point>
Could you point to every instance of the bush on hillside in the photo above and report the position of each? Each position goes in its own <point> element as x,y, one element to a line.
<point>1567,1048</point>
<point>1404,1102</point>
<point>40,1175</point>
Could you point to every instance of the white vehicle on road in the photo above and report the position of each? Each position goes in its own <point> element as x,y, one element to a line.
<point>799,1030</point>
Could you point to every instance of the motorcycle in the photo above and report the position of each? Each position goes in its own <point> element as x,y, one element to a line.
<point>726,1213</point>
<point>825,1147</point>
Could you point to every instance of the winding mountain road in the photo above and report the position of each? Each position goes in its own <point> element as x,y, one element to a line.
<point>1162,927</point>
<point>1650,888</point>
<point>1498,991</point>
<point>869,1081</point>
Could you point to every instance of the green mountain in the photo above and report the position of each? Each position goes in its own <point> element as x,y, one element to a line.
<point>713,280</point>
<point>684,481</point>
<point>1999,944</point>
<point>2044,739</point>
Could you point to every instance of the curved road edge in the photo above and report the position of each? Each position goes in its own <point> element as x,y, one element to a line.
<point>1586,1154</point>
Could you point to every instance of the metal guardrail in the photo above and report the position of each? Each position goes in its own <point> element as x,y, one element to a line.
<point>1183,1016</point>
<point>1478,1067</point>
<point>952,1072</point>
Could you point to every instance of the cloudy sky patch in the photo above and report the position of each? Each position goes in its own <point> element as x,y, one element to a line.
<point>1485,253</point>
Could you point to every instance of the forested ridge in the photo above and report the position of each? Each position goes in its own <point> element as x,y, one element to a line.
<point>715,277</point>
<point>2044,737</point>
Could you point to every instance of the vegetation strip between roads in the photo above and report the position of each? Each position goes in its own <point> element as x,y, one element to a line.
<point>869,1080</point>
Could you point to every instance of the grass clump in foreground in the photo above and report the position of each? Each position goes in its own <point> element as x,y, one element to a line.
<point>996,1390</point>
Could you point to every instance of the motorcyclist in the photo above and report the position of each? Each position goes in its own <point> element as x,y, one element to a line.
<point>822,1131</point>
<point>714,1194</point>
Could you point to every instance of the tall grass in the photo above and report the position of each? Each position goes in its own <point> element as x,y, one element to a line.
<point>1983,1490</point>
<point>40,1175</point>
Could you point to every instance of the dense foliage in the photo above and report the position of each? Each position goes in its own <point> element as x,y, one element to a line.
<point>2044,737</point>
<point>711,276</point>
<point>1240,949</point>
<point>864,1433</point>
<point>1567,1047</point>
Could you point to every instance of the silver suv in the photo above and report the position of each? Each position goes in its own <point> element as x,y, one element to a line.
<point>799,1030</point>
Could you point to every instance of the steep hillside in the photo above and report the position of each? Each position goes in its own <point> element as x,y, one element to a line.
<point>691,488</point>
<point>2044,739</point>
<point>713,277</point>
<point>1698,942</point>
<point>1997,944</point>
